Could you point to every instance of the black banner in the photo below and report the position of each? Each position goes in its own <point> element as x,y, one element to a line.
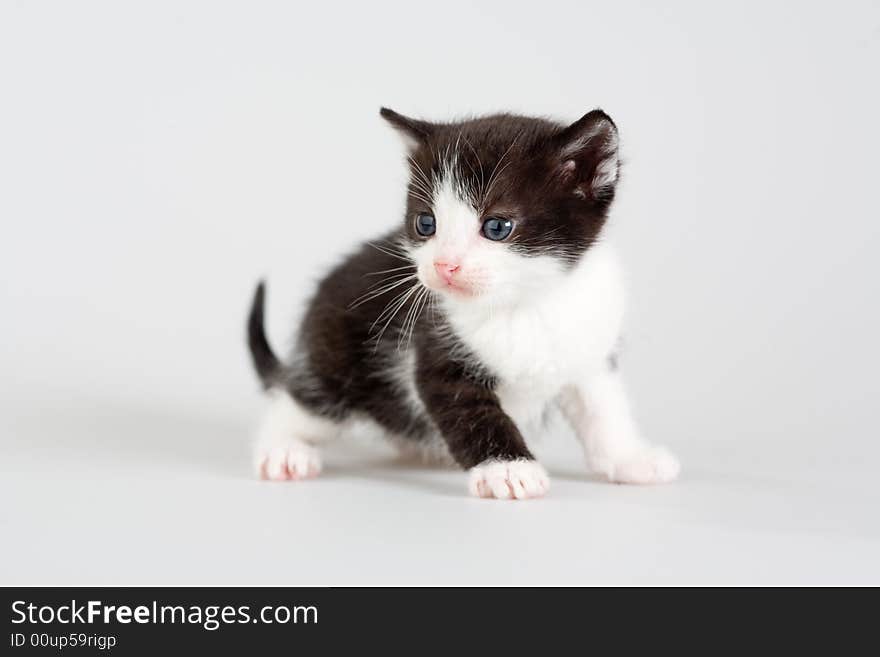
<point>150,621</point>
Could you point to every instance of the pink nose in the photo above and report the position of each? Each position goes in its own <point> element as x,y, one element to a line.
<point>446,271</point>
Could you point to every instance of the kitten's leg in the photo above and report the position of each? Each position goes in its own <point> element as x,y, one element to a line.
<point>481,437</point>
<point>286,438</point>
<point>600,414</point>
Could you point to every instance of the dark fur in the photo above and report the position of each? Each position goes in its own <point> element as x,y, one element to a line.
<point>529,185</point>
<point>265,362</point>
<point>543,178</point>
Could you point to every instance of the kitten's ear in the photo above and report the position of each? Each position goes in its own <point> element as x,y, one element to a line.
<point>587,152</point>
<point>414,131</point>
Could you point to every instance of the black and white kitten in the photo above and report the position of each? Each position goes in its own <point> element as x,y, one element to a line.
<point>494,299</point>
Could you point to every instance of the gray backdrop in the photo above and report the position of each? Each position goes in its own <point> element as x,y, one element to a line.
<point>155,160</point>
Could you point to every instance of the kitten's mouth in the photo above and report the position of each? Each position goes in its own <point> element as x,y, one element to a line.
<point>452,288</point>
<point>459,291</point>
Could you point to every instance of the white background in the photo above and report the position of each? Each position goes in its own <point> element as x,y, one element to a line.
<point>157,158</point>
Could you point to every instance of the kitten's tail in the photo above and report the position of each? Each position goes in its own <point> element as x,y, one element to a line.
<point>265,361</point>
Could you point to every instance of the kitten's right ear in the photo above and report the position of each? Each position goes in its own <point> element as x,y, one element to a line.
<point>414,131</point>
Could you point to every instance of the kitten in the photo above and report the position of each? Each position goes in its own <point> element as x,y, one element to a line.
<point>495,298</point>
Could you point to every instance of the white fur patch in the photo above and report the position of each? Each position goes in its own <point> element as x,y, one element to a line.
<point>508,480</point>
<point>608,167</point>
<point>606,172</point>
<point>598,409</point>
<point>292,461</point>
<point>284,445</point>
<point>648,465</point>
<point>456,240</point>
<point>560,337</point>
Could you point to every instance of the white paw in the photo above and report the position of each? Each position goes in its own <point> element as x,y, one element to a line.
<point>507,480</point>
<point>649,465</point>
<point>296,460</point>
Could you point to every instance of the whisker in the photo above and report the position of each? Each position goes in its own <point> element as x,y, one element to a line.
<point>418,180</point>
<point>495,173</point>
<point>397,308</point>
<point>387,251</point>
<point>409,312</point>
<point>420,185</point>
<point>424,199</point>
<point>420,304</point>
<point>421,181</point>
<point>418,170</point>
<point>409,322</point>
<point>390,306</point>
<point>481,192</point>
<point>385,271</point>
<point>434,308</point>
<point>387,279</point>
<point>369,296</point>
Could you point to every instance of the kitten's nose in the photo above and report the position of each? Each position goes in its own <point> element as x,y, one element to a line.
<point>446,270</point>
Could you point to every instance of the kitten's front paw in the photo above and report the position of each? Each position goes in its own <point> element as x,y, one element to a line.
<point>507,480</point>
<point>649,465</point>
<point>295,460</point>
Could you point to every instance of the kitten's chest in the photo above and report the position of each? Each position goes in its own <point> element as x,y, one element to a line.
<point>535,349</point>
<point>544,349</point>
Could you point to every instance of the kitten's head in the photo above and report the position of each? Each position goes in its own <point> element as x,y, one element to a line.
<point>501,207</point>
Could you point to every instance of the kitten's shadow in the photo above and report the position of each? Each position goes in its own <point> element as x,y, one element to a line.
<point>124,436</point>
<point>442,480</point>
<point>391,469</point>
<point>575,476</point>
<point>173,440</point>
<point>167,440</point>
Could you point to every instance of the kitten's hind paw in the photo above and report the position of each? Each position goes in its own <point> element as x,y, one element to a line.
<point>293,461</point>
<point>509,480</point>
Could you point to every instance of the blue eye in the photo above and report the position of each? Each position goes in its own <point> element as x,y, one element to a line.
<point>497,229</point>
<point>426,225</point>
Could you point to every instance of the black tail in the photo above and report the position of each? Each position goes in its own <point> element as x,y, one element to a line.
<point>265,361</point>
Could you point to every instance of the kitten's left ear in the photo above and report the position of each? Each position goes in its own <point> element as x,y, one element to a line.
<point>414,131</point>
<point>587,152</point>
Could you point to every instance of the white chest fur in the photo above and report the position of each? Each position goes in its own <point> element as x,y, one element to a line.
<point>557,338</point>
